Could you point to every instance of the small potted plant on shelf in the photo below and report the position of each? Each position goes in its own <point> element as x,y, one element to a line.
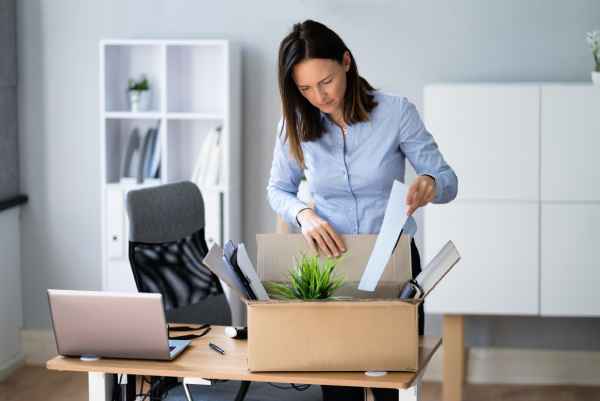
<point>139,94</point>
<point>593,39</point>
<point>310,279</point>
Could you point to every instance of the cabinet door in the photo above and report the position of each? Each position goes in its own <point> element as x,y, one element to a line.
<point>489,134</point>
<point>213,212</point>
<point>119,276</point>
<point>498,270</point>
<point>115,228</point>
<point>570,264</point>
<point>570,142</point>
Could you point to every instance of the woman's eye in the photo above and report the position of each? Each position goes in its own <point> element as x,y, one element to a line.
<point>327,82</point>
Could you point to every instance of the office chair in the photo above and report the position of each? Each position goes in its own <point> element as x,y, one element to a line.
<point>166,248</point>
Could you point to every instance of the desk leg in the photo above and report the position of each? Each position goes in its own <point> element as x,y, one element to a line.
<point>99,386</point>
<point>454,357</point>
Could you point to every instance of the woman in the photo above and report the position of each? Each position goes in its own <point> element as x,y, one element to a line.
<point>350,142</point>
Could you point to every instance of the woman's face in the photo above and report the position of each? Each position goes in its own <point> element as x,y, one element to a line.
<point>323,82</point>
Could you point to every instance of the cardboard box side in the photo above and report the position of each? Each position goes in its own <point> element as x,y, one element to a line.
<point>333,336</point>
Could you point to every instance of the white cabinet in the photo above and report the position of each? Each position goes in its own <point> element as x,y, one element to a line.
<point>490,136</point>
<point>498,271</point>
<point>195,88</point>
<point>570,143</point>
<point>528,206</point>
<point>570,208</point>
<point>570,265</point>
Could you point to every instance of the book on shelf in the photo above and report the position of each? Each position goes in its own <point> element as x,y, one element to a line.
<point>131,156</point>
<point>141,160</point>
<point>151,154</point>
<point>208,165</point>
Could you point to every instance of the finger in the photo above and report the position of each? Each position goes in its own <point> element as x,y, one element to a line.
<point>419,201</point>
<point>421,194</point>
<point>416,195</point>
<point>430,194</point>
<point>432,191</point>
<point>411,193</point>
<point>311,243</point>
<point>322,245</point>
<point>336,238</point>
<point>330,242</point>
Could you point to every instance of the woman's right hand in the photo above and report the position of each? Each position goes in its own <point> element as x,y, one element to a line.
<point>319,234</point>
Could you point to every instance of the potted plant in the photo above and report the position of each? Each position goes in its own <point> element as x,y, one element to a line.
<point>310,279</point>
<point>139,94</point>
<point>593,39</point>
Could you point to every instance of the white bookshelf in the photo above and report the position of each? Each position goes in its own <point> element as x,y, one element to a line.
<point>195,87</point>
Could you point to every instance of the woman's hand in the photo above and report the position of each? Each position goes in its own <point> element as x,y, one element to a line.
<point>319,235</point>
<point>421,192</point>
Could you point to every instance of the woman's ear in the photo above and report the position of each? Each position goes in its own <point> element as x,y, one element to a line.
<point>346,61</point>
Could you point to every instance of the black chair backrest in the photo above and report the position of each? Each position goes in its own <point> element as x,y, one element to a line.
<point>166,248</point>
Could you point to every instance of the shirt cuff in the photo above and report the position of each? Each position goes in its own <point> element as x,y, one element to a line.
<point>439,186</point>
<point>293,211</point>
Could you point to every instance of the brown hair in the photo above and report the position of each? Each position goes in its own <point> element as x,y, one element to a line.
<point>302,121</point>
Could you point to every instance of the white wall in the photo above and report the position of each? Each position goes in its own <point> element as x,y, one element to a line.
<point>11,317</point>
<point>399,45</point>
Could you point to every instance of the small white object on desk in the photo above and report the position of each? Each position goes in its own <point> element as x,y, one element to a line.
<point>375,373</point>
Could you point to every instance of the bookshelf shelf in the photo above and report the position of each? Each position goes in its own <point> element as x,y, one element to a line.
<point>194,116</point>
<point>195,89</point>
<point>129,115</point>
<point>141,115</point>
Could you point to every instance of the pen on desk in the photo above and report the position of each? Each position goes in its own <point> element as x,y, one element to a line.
<point>216,348</point>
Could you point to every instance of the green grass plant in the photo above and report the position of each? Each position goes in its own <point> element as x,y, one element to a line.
<point>312,278</point>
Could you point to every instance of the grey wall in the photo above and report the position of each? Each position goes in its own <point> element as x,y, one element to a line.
<point>399,45</point>
<point>9,162</point>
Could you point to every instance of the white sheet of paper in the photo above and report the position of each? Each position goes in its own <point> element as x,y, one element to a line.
<point>250,272</point>
<point>393,222</point>
<point>438,267</point>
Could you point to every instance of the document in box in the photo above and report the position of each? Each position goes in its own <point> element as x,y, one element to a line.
<point>393,223</point>
<point>250,272</point>
<point>214,261</point>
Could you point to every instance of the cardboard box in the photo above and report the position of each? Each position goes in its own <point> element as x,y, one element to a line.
<point>349,335</point>
<point>276,254</point>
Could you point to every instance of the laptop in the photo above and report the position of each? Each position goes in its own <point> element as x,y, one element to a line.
<point>94,324</point>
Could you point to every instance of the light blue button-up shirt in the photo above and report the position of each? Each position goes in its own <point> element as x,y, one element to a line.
<point>350,176</point>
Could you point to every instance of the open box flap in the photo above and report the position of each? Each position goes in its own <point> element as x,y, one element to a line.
<point>438,267</point>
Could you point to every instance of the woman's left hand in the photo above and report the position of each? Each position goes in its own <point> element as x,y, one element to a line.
<point>421,192</point>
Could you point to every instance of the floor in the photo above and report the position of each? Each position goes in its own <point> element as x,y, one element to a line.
<point>38,384</point>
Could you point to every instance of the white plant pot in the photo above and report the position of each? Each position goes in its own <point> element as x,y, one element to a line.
<point>596,77</point>
<point>139,100</point>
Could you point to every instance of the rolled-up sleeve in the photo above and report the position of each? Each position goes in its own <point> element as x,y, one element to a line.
<point>422,151</point>
<point>284,180</point>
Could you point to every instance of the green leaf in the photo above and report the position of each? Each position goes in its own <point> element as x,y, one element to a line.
<point>311,278</point>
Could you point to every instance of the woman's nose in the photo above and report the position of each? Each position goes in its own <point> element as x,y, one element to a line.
<point>321,95</point>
